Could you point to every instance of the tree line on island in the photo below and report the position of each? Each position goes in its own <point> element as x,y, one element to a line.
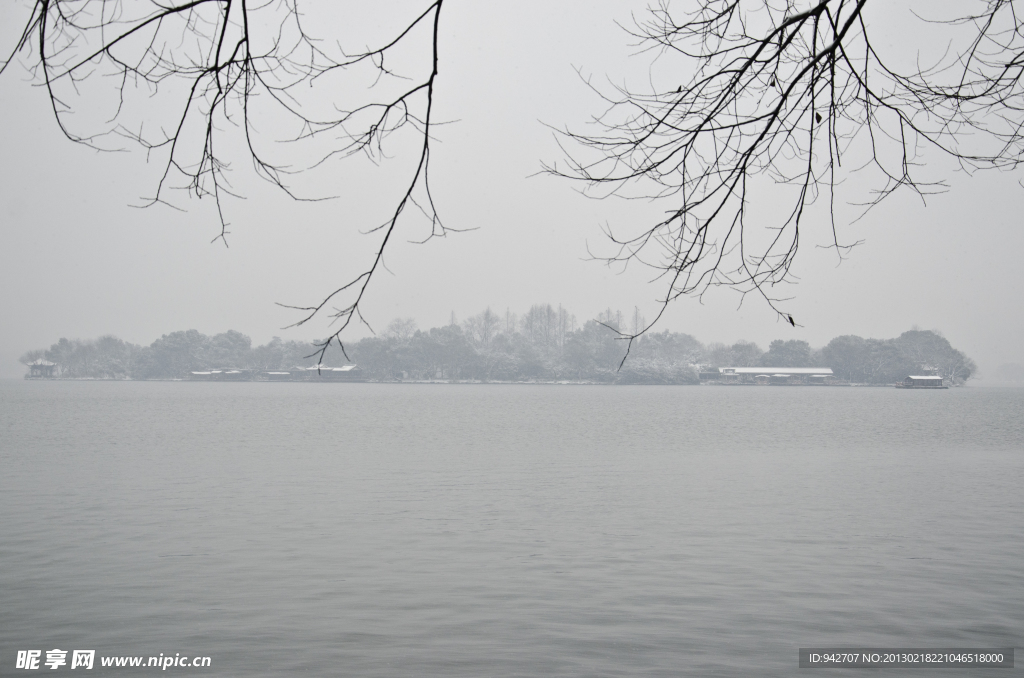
<point>544,344</point>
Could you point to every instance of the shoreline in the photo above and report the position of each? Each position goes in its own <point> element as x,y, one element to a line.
<point>468,382</point>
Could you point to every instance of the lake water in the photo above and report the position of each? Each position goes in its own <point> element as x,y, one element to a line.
<point>506,530</point>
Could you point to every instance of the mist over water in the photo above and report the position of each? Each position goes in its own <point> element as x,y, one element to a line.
<point>417,530</point>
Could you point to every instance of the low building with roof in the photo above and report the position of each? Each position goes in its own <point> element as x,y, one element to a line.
<point>325,373</point>
<point>314,373</point>
<point>922,381</point>
<point>779,376</point>
<point>226,374</point>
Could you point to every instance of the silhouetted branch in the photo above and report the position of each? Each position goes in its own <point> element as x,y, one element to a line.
<point>211,63</point>
<point>782,92</point>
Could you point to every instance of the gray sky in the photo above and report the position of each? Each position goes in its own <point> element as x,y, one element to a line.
<point>77,260</point>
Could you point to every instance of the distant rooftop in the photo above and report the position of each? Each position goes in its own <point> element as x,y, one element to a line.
<point>776,371</point>
<point>324,368</point>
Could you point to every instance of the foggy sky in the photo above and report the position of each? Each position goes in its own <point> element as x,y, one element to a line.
<point>78,261</point>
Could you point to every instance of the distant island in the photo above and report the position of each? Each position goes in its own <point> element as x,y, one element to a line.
<point>544,345</point>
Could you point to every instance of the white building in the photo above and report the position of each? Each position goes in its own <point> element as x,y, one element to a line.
<point>768,375</point>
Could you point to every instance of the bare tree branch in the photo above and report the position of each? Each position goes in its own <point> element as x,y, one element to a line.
<point>779,92</point>
<point>217,66</point>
